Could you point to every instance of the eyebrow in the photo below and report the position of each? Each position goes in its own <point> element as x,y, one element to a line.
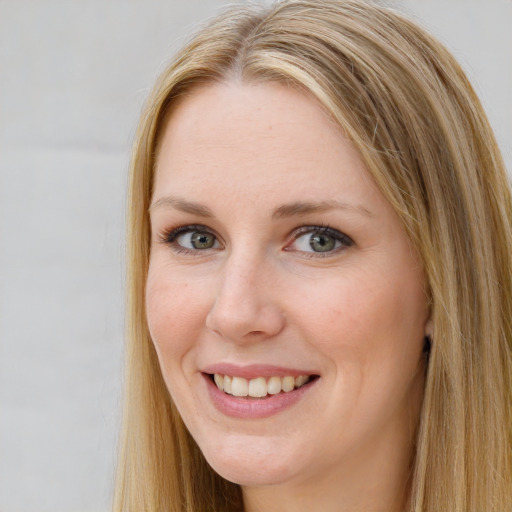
<point>182,205</point>
<point>305,208</point>
<point>284,211</point>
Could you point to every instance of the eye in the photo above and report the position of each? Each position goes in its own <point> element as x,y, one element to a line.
<point>191,238</point>
<point>197,240</point>
<point>319,239</point>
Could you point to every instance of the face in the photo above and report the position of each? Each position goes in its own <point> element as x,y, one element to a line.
<point>285,303</point>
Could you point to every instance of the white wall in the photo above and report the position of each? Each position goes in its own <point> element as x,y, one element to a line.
<point>73,75</point>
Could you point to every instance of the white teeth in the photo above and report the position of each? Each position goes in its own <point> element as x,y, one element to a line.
<point>227,384</point>
<point>258,387</point>
<point>239,386</point>
<point>219,380</point>
<point>288,384</point>
<point>300,381</point>
<point>274,386</point>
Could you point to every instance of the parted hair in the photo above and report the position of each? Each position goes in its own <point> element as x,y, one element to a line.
<point>408,108</point>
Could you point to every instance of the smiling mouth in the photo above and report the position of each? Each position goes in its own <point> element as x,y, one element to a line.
<point>259,387</point>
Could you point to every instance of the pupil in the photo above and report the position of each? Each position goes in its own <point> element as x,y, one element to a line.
<point>202,240</point>
<point>322,243</point>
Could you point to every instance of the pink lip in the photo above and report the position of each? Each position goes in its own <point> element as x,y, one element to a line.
<point>253,371</point>
<point>254,408</point>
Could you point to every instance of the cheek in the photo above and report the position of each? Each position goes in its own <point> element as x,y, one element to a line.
<point>175,313</point>
<point>364,318</point>
<point>338,312</point>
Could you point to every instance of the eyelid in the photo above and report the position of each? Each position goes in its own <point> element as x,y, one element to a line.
<point>169,236</point>
<point>341,237</point>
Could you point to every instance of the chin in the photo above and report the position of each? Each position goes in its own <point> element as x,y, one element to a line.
<point>250,475</point>
<point>255,467</point>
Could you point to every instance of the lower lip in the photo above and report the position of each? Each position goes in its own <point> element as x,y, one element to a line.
<point>253,408</point>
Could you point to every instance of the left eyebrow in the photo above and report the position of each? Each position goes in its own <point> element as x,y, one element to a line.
<point>183,205</point>
<point>305,208</point>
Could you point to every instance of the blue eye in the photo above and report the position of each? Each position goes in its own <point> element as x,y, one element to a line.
<point>317,239</point>
<point>192,238</point>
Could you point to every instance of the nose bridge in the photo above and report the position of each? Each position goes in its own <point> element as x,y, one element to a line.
<point>245,306</point>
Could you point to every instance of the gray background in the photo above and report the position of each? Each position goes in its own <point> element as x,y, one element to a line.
<point>73,76</point>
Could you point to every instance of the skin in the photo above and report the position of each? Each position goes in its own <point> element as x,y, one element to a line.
<point>356,316</point>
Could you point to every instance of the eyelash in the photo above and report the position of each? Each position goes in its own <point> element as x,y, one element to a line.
<point>344,240</point>
<point>170,237</point>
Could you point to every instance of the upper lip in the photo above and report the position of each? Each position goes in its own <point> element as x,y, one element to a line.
<point>252,371</point>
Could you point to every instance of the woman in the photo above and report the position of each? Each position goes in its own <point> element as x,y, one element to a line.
<point>320,274</point>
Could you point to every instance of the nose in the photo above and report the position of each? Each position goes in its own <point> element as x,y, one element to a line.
<point>246,306</point>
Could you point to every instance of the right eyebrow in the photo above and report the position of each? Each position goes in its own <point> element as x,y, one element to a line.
<point>181,204</point>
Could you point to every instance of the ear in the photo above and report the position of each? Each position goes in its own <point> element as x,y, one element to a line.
<point>427,338</point>
<point>429,329</point>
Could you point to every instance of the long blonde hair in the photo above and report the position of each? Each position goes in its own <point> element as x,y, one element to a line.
<point>407,106</point>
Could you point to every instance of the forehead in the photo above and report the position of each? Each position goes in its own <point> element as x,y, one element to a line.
<point>269,110</point>
<point>256,136</point>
